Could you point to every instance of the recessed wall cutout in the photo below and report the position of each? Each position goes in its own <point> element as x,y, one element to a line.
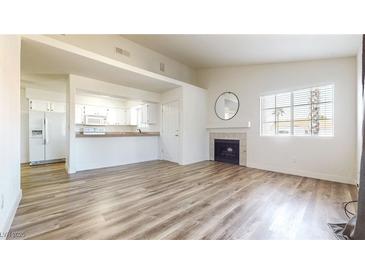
<point>122,52</point>
<point>162,67</point>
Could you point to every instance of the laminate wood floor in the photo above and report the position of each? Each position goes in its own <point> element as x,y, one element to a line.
<point>162,200</point>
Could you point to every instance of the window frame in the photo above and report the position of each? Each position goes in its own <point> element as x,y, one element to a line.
<point>291,91</point>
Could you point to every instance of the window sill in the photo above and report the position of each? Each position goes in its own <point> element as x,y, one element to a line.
<point>297,136</point>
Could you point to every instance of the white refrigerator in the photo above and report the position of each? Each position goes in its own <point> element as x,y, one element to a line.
<point>47,136</point>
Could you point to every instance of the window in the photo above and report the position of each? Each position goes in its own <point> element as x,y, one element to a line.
<point>304,112</point>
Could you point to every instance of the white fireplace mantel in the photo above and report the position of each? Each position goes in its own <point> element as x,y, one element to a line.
<point>229,127</point>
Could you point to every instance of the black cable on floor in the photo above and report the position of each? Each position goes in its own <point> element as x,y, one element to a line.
<point>348,213</point>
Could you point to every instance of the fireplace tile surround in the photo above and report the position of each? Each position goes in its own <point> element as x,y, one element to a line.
<point>230,136</point>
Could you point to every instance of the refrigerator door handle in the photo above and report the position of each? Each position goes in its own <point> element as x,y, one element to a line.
<point>47,139</point>
<point>46,131</point>
<point>43,131</point>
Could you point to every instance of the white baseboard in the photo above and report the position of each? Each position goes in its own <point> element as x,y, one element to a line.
<point>305,173</point>
<point>68,170</point>
<point>193,161</point>
<point>9,220</point>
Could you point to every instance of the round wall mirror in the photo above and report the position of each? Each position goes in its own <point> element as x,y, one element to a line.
<point>227,105</point>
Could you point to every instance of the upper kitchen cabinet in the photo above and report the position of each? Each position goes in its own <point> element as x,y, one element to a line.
<point>111,119</point>
<point>79,114</point>
<point>145,114</point>
<point>116,116</point>
<point>38,105</point>
<point>96,110</point>
<point>149,113</point>
<point>133,115</point>
<point>42,105</point>
<point>57,107</point>
<point>128,117</point>
<point>127,113</point>
<point>121,116</point>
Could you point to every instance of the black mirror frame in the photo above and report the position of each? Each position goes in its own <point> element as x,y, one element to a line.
<point>215,105</point>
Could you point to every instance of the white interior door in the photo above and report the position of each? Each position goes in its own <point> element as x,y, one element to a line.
<point>55,135</point>
<point>170,143</point>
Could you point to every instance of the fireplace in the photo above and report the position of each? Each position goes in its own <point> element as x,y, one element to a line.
<point>227,151</point>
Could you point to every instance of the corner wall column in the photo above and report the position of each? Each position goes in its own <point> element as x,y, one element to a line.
<point>70,126</point>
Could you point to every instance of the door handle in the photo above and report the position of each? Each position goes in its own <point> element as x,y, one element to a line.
<point>46,131</point>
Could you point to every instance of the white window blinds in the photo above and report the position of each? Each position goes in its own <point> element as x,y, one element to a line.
<point>304,112</point>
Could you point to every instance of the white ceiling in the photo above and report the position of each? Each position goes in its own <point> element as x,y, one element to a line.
<point>42,59</point>
<point>207,51</point>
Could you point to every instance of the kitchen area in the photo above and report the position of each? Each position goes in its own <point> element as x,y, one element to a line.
<point>109,130</point>
<point>112,131</point>
<point>99,115</point>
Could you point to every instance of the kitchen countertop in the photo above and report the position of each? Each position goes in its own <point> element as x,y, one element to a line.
<point>119,134</point>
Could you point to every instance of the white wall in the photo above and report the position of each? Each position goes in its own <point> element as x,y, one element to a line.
<point>70,125</point>
<point>193,141</point>
<point>99,152</point>
<point>53,82</point>
<point>105,88</point>
<point>24,128</point>
<point>46,95</point>
<point>139,56</point>
<point>325,158</point>
<point>168,97</point>
<point>360,113</point>
<point>10,192</point>
<point>97,100</point>
<point>194,122</point>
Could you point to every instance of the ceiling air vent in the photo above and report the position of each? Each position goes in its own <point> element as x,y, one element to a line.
<point>122,52</point>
